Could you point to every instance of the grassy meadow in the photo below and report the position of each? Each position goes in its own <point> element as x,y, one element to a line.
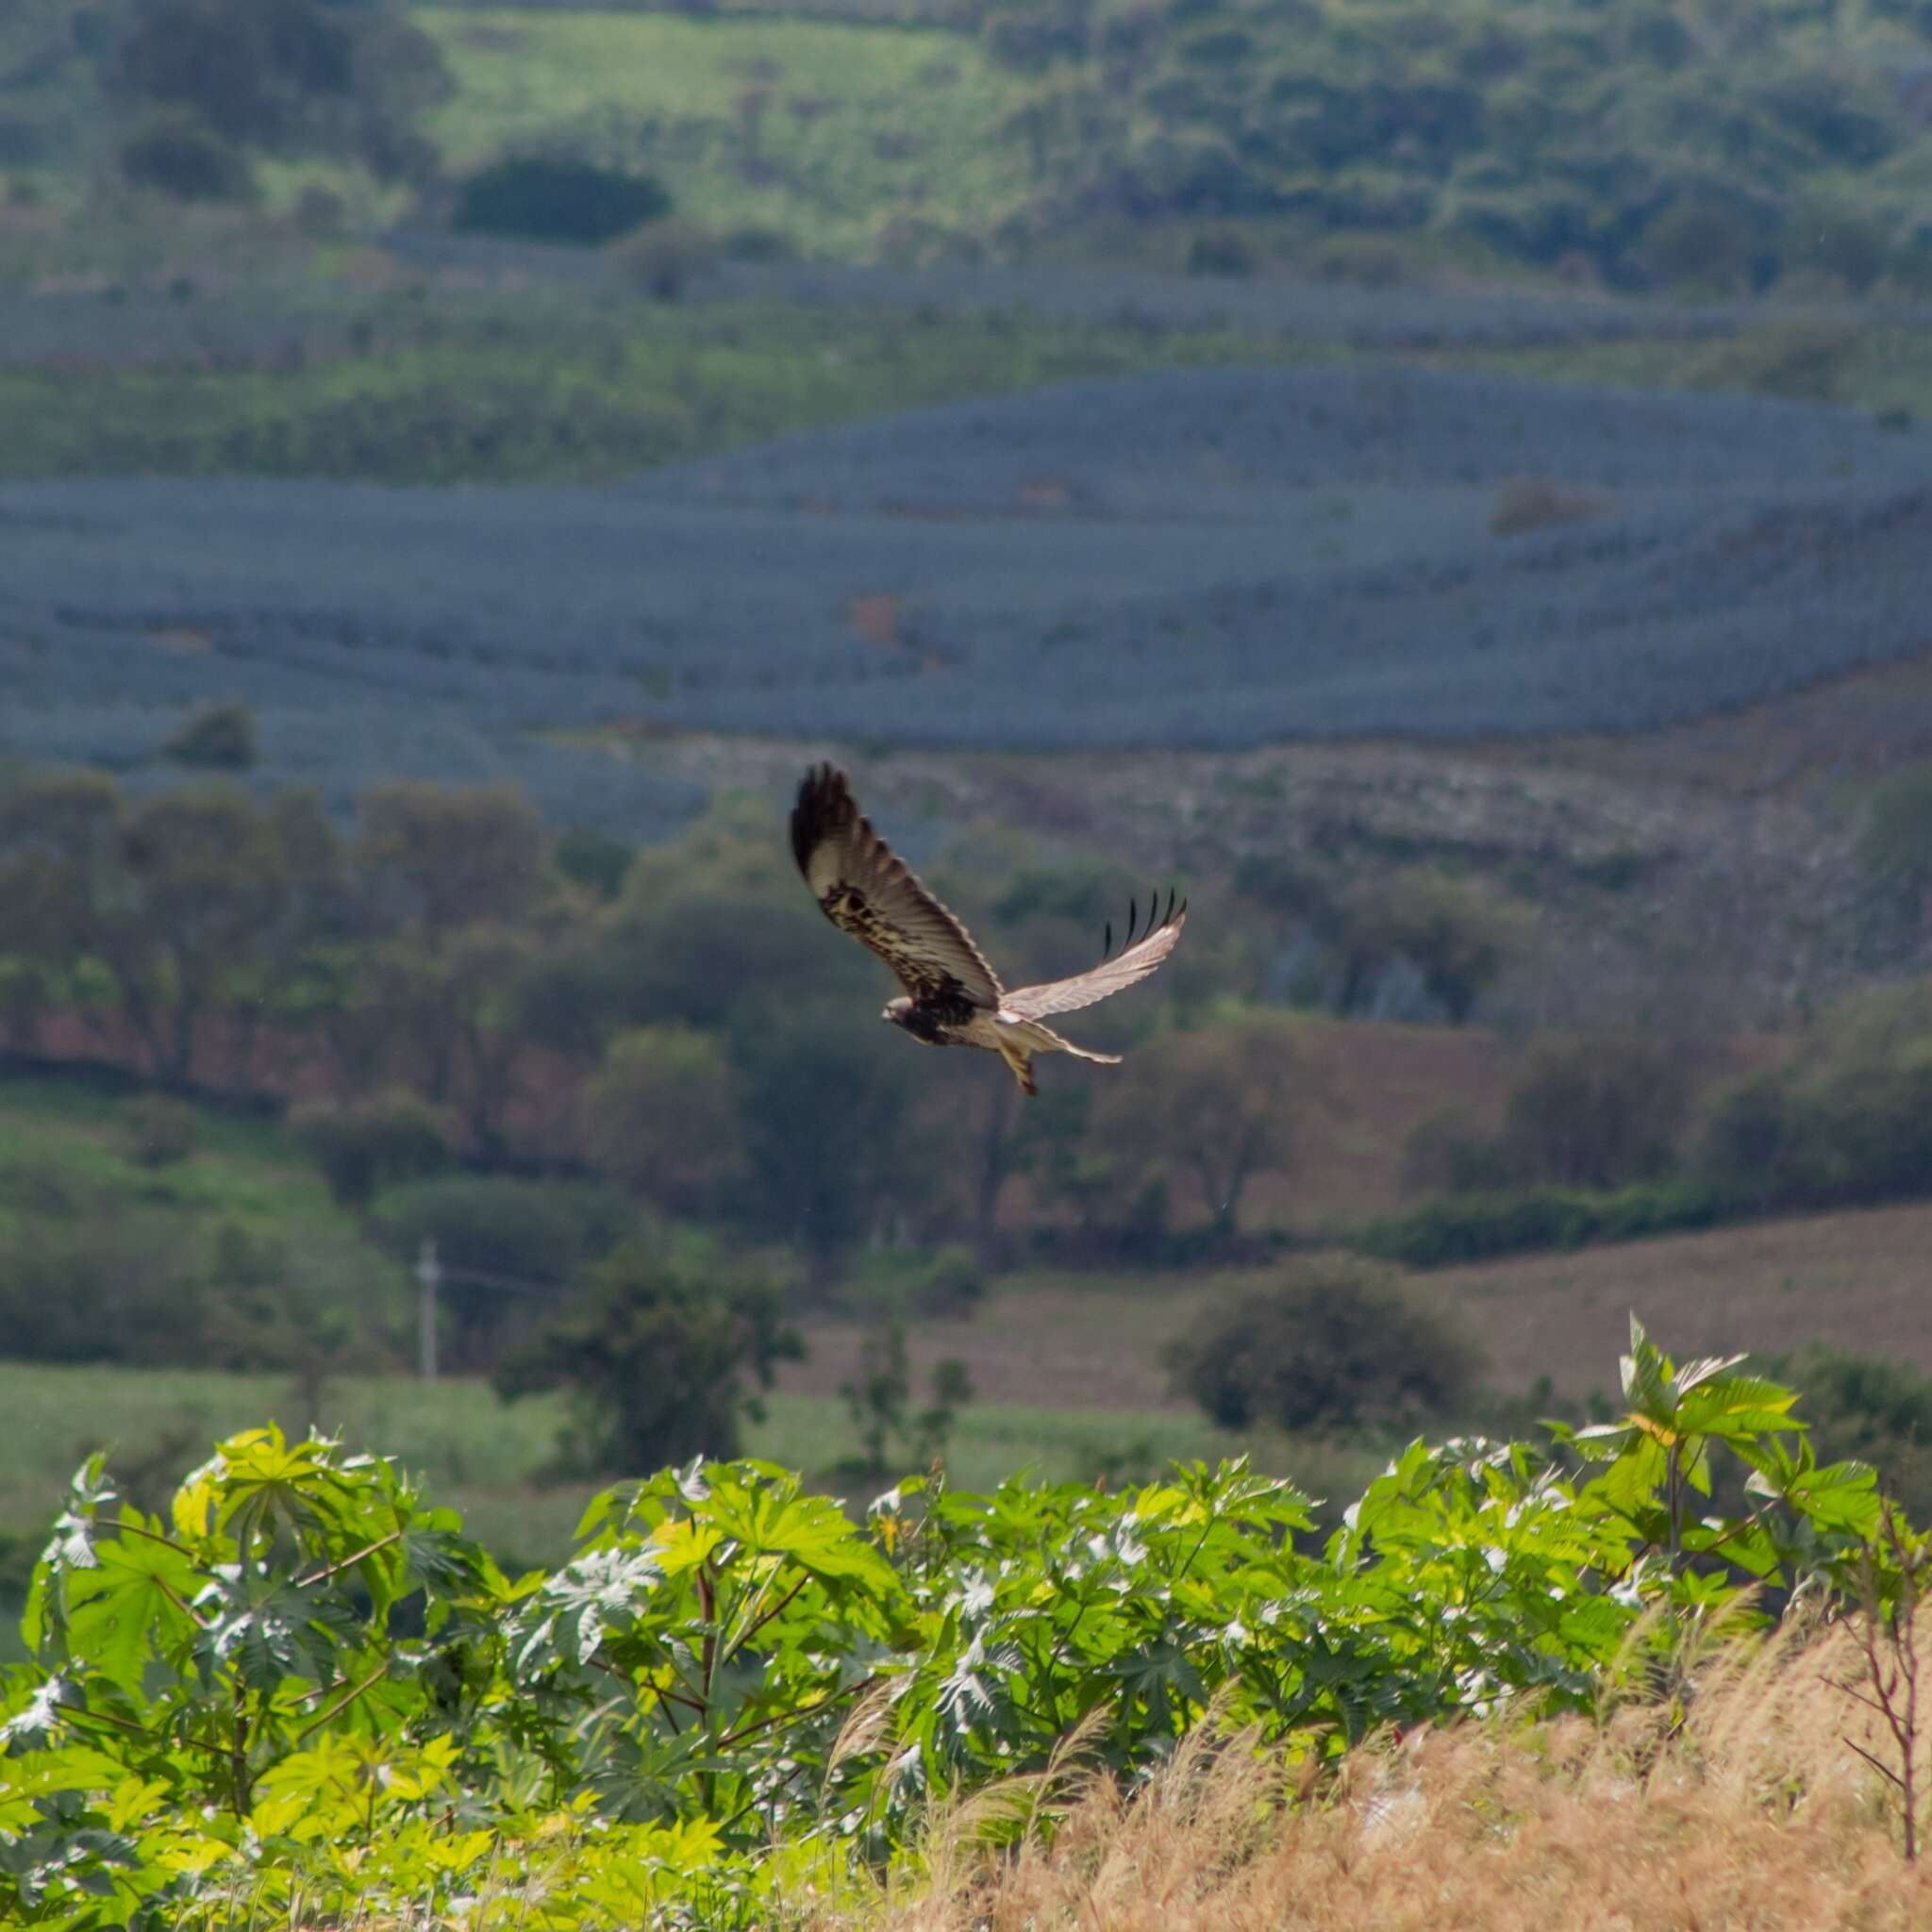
<point>827,132</point>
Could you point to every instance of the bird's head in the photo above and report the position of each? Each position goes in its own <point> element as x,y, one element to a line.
<point>896,1010</point>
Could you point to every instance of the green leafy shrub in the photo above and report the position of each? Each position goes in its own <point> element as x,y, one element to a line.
<point>181,155</point>
<point>1870,1408</point>
<point>363,1146</point>
<point>541,198</point>
<point>1335,1345</point>
<point>302,1684</point>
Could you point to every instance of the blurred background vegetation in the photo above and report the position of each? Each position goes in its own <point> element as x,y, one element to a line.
<point>1484,1032</point>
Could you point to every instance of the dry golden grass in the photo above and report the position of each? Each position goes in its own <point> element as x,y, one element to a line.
<point>1752,1810</point>
<point>1739,1805</point>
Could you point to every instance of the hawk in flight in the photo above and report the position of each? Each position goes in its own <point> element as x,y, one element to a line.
<point>952,997</point>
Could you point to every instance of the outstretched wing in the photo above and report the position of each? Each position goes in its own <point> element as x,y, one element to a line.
<point>864,889</point>
<point>1127,968</point>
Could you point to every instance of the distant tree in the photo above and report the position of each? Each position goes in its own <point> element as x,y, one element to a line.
<point>1724,242</point>
<point>201,877</point>
<point>218,737</point>
<point>508,1249</point>
<point>179,154</point>
<point>661,1115</point>
<point>694,940</point>
<point>365,1145</point>
<point>655,1354</point>
<point>1337,1343</point>
<point>1204,1112</point>
<point>595,859</point>
<point>831,1147</point>
<point>1458,936</point>
<point>576,994</point>
<point>1597,1112</point>
<point>436,858</point>
<point>1446,1151</point>
<point>480,979</point>
<point>288,75</point>
<point>305,956</point>
<point>59,858</point>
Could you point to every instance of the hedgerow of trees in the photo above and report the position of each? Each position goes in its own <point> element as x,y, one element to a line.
<point>677,1030</point>
<point>210,84</point>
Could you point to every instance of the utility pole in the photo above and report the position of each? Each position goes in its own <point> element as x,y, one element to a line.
<point>428,1278</point>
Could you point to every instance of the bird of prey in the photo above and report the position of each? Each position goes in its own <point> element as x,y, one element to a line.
<point>952,997</point>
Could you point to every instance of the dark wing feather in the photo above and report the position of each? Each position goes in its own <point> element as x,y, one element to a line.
<point>1099,982</point>
<point>864,889</point>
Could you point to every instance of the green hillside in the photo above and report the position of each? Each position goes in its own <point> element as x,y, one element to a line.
<point>1696,146</point>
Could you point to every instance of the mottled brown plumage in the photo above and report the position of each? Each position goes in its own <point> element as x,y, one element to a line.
<point>952,997</point>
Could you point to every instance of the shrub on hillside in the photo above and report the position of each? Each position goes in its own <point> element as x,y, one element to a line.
<point>1336,1345</point>
<point>179,155</point>
<point>363,1146</point>
<point>654,1353</point>
<point>541,198</point>
<point>1848,1123</point>
<point>1596,1112</point>
<point>215,737</point>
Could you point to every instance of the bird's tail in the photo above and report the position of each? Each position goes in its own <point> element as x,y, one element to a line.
<point>1036,1037</point>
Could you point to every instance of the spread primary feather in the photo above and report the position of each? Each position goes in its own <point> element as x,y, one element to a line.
<point>953,996</point>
